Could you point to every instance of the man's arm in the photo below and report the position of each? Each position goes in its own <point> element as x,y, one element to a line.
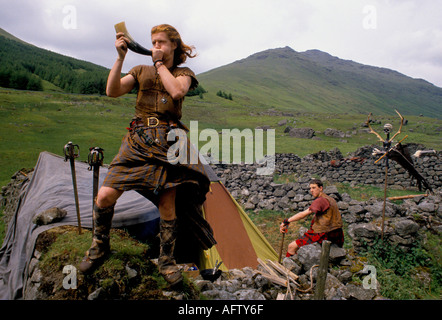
<point>296,217</point>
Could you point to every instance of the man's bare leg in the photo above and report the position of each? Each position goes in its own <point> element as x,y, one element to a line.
<point>107,197</point>
<point>166,205</point>
<point>292,248</point>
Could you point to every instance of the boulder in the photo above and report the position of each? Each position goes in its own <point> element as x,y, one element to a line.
<point>359,293</point>
<point>249,294</point>
<point>219,295</point>
<point>427,206</point>
<point>337,253</point>
<point>304,133</point>
<point>309,255</point>
<point>406,227</point>
<point>334,133</point>
<point>48,216</point>
<point>334,289</point>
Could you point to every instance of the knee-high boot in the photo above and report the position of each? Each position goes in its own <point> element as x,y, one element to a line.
<point>100,246</point>
<point>166,261</point>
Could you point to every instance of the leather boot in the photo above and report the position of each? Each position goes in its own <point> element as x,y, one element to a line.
<point>166,261</point>
<point>100,246</point>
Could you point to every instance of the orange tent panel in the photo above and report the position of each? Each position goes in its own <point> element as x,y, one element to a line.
<point>228,229</point>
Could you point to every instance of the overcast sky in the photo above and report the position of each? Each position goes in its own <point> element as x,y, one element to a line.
<point>402,35</point>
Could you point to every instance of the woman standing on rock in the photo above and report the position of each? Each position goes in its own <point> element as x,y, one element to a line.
<point>142,163</point>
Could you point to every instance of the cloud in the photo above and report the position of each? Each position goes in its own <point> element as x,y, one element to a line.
<point>402,35</point>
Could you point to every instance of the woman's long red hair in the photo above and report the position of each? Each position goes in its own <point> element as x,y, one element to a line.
<point>183,51</point>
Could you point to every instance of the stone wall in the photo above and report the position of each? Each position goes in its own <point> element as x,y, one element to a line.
<point>260,192</point>
<point>403,225</point>
<point>360,168</point>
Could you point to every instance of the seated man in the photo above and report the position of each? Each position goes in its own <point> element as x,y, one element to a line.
<point>326,223</point>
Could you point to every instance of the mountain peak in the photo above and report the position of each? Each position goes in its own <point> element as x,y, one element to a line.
<point>285,53</point>
<point>317,54</point>
<point>317,81</point>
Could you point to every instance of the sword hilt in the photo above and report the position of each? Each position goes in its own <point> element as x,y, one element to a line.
<point>95,157</point>
<point>71,151</point>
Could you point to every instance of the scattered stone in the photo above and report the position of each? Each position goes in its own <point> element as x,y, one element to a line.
<point>48,216</point>
<point>304,133</point>
<point>359,293</point>
<point>131,273</point>
<point>94,295</point>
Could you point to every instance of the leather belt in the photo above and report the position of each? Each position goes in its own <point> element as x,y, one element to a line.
<point>152,122</point>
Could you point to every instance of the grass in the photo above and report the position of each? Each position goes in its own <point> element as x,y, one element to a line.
<point>63,246</point>
<point>32,122</point>
<point>409,275</point>
<point>365,192</point>
<point>268,222</point>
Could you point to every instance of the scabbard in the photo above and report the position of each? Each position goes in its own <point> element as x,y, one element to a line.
<point>74,182</point>
<point>95,178</point>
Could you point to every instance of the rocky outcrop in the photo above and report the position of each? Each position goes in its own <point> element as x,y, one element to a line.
<point>250,284</point>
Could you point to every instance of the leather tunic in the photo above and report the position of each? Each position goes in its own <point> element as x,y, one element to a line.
<point>328,220</point>
<point>152,98</point>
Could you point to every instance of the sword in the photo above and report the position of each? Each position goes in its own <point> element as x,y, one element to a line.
<point>72,151</point>
<point>95,160</point>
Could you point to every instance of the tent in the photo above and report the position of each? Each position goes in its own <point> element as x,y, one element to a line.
<point>239,242</point>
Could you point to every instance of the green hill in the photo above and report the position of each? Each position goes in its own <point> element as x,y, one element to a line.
<point>318,82</point>
<point>24,66</point>
<point>310,81</point>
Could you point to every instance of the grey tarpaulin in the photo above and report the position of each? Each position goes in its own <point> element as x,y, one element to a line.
<point>51,186</point>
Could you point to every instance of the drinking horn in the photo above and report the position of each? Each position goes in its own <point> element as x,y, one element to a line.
<point>132,44</point>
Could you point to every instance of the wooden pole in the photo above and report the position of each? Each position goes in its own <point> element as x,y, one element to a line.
<point>385,198</point>
<point>323,270</point>
<point>281,247</point>
<point>408,196</point>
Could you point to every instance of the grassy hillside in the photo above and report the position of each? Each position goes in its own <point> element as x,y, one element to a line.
<point>24,66</point>
<point>32,122</point>
<point>314,81</point>
<point>311,81</point>
<point>310,89</point>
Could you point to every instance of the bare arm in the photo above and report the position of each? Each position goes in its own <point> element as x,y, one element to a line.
<point>117,86</point>
<point>296,217</point>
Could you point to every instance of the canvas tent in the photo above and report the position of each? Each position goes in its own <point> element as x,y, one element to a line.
<point>239,242</point>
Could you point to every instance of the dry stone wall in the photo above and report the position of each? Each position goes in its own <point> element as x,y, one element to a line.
<point>261,192</point>
<point>404,223</point>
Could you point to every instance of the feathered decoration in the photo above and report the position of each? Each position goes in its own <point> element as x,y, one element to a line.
<point>401,155</point>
